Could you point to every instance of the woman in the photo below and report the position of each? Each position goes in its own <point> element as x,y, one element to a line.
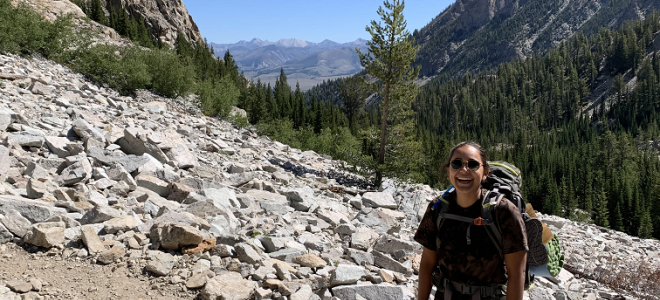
<point>471,266</point>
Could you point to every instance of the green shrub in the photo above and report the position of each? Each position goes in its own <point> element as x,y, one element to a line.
<point>23,31</point>
<point>217,99</point>
<point>170,77</point>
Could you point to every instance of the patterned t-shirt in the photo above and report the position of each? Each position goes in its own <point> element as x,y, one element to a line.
<point>478,263</point>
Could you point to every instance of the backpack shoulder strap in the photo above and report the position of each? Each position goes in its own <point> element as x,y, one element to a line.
<point>490,202</point>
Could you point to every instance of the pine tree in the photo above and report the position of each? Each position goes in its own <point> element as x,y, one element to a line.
<point>646,225</point>
<point>389,59</point>
<point>96,12</point>
<point>600,215</point>
<point>352,91</point>
<point>617,219</point>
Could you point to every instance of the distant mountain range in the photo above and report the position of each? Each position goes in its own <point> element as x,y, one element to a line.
<point>305,62</point>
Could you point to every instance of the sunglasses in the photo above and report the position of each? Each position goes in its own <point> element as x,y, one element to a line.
<point>471,164</point>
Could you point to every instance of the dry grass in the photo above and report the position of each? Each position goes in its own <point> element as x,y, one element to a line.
<point>643,281</point>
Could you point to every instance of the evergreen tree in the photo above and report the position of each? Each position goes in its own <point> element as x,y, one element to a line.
<point>646,226</point>
<point>389,59</point>
<point>600,215</point>
<point>352,91</point>
<point>617,219</point>
<point>96,12</point>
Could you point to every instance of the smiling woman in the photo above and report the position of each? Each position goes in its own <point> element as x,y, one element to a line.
<point>460,259</point>
<point>340,21</point>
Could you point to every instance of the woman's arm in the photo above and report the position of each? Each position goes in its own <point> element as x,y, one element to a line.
<point>426,266</point>
<point>515,267</point>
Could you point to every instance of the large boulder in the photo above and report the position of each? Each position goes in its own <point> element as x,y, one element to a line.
<point>228,286</point>
<point>16,223</point>
<point>35,211</point>
<point>175,236</point>
<point>85,130</point>
<point>379,199</point>
<point>47,234</point>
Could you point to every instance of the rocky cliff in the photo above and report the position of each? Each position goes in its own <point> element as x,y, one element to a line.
<point>167,18</point>
<point>472,35</point>
<point>104,196</point>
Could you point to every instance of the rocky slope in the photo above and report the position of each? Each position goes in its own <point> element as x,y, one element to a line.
<point>472,35</point>
<point>160,201</point>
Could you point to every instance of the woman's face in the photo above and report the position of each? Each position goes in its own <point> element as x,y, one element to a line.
<point>466,180</point>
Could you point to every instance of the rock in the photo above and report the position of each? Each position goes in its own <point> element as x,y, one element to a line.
<point>179,152</point>
<point>180,191</point>
<point>5,234</point>
<point>273,244</point>
<point>362,238</point>
<point>41,89</point>
<point>109,256</point>
<point>310,261</point>
<point>246,253</point>
<point>35,171</point>
<point>154,184</point>
<point>5,162</point>
<point>85,131</point>
<point>160,263</point>
<point>386,275</point>
<point>175,236</point>
<point>34,211</point>
<point>100,214</point>
<point>197,281</point>
<point>301,199</point>
<point>346,274</point>
<point>91,239</point>
<point>379,199</point>
<point>58,145</point>
<point>229,286</point>
<point>360,257</point>
<point>303,293</point>
<point>223,197</point>
<point>374,291</point>
<point>6,116</point>
<point>19,286</point>
<point>393,246</point>
<point>156,107</point>
<point>28,140</point>
<point>16,223</point>
<point>46,235</point>
<point>384,261</point>
<point>80,171</point>
<point>123,224</point>
<point>287,255</point>
<point>35,189</point>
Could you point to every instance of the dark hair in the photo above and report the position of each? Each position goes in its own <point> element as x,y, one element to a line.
<point>482,153</point>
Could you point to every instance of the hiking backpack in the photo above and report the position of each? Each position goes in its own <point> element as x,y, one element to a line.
<point>503,180</point>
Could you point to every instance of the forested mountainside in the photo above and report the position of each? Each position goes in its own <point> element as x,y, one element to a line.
<point>472,35</point>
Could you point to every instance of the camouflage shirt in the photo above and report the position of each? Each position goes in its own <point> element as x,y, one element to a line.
<point>478,263</point>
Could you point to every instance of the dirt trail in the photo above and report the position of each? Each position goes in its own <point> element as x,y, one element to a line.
<point>75,278</point>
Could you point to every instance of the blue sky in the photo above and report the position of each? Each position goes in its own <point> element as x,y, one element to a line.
<point>225,22</point>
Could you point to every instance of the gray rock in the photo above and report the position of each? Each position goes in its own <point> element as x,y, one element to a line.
<point>223,250</point>
<point>85,130</point>
<point>154,184</point>
<point>19,286</point>
<point>36,171</point>
<point>209,208</point>
<point>80,171</point>
<point>174,236</point>
<point>46,234</point>
<point>58,145</point>
<point>303,293</point>
<point>239,179</point>
<point>5,161</point>
<point>100,214</point>
<point>35,189</point>
<point>118,172</point>
<point>5,234</point>
<point>179,153</point>
<point>345,229</point>
<point>129,162</point>
<point>6,117</point>
<point>363,238</point>
<point>287,255</point>
<point>384,261</point>
<point>28,140</point>
<point>236,168</point>
<point>160,263</point>
<point>91,239</point>
<point>361,257</point>
<point>16,223</point>
<point>228,285</point>
<point>39,88</point>
<point>272,244</point>
<point>35,211</point>
<point>370,292</point>
<point>394,246</point>
<point>247,254</point>
<point>379,199</point>
<point>347,274</point>
<point>301,199</point>
<point>223,197</point>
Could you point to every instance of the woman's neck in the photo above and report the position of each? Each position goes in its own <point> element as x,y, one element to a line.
<point>466,200</point>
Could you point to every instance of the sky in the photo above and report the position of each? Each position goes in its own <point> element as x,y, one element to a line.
<point>227,22</point>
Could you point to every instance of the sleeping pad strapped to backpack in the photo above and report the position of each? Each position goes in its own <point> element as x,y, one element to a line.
<point>504,181</point>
